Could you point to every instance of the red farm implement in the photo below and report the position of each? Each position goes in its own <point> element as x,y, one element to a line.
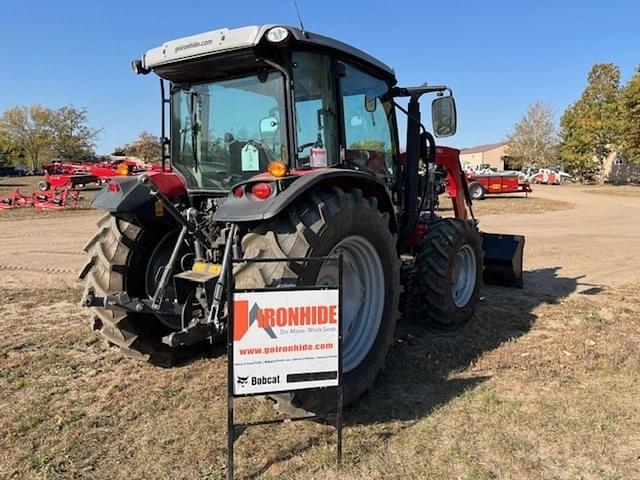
<point>77,175</point>
<point>16,200</point>
<point>52,199</point>
<point>496,183</point>
<point>56,199</point>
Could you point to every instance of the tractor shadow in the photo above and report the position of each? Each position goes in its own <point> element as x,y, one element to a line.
<point>417,378</point>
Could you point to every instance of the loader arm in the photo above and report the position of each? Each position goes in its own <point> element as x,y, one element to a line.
<point>449,158</point>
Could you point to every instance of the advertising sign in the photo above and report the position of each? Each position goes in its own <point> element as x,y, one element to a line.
<point>285,341</point>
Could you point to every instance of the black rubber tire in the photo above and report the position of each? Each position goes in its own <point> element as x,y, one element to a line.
<point>408,298</point>
<point>435,260</point>
<point>476,191</point>
<point>312,227</point>
<point>118,256</point>
<point>43,185</point>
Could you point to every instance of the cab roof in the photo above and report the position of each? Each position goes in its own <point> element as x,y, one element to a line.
<point>227,40</point>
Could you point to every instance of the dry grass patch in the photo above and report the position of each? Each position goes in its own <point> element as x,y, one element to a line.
<point>509,204</point>
<point>618,190</point>
<point>540,385</point>
<point>499,205</point>
<point>25,184</point>
<point>84,208</point>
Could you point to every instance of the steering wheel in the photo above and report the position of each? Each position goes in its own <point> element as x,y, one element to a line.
<point>306,145</point>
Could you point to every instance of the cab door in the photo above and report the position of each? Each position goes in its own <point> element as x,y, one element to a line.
<point>369,141</point>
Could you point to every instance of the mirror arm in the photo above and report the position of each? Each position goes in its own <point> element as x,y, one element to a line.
<point>417,92</point>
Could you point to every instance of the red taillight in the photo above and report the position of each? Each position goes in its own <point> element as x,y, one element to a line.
<point>238,192</point>
<point>262,191</point>
<point>113,187</point>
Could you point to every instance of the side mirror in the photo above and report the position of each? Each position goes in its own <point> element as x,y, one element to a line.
<point>443,116</point>
<point>269,129</point>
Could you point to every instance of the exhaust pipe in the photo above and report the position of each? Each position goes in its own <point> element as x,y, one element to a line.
<point>503,259</point>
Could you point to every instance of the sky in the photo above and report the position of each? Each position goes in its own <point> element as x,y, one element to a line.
<point>498,56</point>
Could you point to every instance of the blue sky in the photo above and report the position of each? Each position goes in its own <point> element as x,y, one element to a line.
<point>498,56</point>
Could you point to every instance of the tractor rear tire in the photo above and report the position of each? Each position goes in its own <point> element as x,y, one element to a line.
<point>449,263</point>
<point>118,255</point>
<point>476,191</point>
<point>314,226</point>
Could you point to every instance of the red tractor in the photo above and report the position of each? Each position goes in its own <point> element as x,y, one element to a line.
<point>284,143</point>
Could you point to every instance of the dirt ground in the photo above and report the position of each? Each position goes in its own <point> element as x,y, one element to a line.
<point>541,384</point>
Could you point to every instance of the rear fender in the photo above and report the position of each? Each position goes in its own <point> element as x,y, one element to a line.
<point>124,195</point>
<point>248,209</point>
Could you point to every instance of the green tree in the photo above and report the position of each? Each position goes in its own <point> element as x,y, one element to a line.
<point>630,115</point>
<point>5,150</point>
<point>73,139</point>
<point>590,128</point>
<point>28,131</point>
<point>375,145</point>
<point>146,147</point>
<point>534,139</point>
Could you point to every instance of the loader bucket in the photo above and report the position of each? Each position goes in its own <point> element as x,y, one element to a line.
<point>503,259</point>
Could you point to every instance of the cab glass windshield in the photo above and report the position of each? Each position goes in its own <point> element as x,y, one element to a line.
<point>226,131</point>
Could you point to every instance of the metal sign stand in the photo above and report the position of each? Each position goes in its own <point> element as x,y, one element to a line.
<point>232,427</point>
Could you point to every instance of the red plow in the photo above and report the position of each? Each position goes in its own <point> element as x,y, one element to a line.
<point>52,199</point>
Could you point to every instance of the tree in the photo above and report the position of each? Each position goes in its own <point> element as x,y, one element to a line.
<point>147,147</point>
<point>630,128</point>
<point>590,128</point>
<point>5,149</point>
<point>73,139</point>
<point>534,140</point>
<point>373,144</point>
<point>28,130</point>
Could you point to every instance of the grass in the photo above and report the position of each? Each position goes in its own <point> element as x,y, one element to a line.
<point>539,385</point>
<point>509,204</point>
<point>25,184</point>
<point>619,190</point>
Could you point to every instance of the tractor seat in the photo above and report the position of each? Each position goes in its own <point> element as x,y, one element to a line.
<point>370,160</point>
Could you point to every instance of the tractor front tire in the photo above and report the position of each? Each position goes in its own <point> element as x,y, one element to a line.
<point>322,223</point>
<point>118,256</point>
<point>449,264</point>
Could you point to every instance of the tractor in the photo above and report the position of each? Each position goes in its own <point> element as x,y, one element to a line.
<point>284,144</point>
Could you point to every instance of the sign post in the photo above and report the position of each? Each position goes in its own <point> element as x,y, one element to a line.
<point>281,340</point>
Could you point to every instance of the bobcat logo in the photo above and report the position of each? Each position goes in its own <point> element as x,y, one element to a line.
<point>242,381</point>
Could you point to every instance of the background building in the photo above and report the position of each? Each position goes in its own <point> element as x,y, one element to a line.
<point>492,154</point>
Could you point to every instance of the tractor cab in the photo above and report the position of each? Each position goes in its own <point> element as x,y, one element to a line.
<point>277,100</point>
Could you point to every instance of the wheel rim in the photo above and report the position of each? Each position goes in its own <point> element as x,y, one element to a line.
<point>363,296</point>
<point>463,276</point>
